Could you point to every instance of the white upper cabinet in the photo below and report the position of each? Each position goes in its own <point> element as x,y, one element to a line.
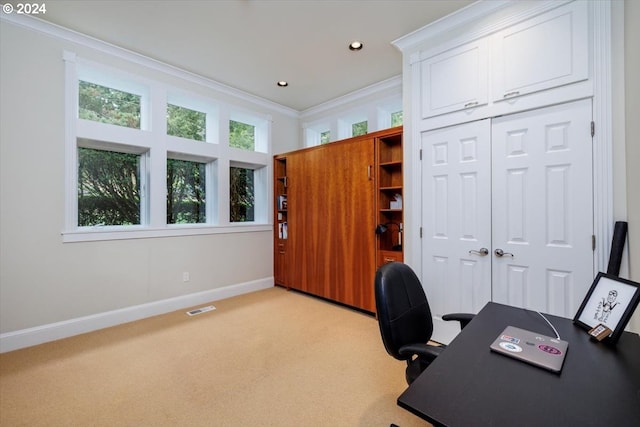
<point>455,80</point>
<point>543,52</point>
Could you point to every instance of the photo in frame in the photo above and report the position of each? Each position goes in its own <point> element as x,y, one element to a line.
<point>611,301</point>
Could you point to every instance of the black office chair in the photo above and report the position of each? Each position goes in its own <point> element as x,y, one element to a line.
<point>405,319</point>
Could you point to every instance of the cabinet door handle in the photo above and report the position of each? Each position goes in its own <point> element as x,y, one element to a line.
<point>470,104</point>
<point>509,94</point>
<point>369,172</point>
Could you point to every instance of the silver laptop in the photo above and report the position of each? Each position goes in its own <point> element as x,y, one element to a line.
<point>531,347</point>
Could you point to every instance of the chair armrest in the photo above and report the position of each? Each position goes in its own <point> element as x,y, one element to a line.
<point>463,318</point>
<point>428,352</point>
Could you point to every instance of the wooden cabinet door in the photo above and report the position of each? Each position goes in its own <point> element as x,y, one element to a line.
<point>352,217</point>
<point>331,221</point>
<point>547,51</point>
<point>455,80</point>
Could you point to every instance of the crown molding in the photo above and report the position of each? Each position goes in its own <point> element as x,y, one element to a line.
<point>391,83</point>
<point>456,19</point>
<point>468,19</point>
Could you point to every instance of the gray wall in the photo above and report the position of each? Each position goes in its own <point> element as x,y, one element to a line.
<point>42,279</point>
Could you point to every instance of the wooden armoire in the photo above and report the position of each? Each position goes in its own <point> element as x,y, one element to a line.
<point>329,200</point>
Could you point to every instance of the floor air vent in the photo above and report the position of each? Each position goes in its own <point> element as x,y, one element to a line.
<point>201,310</point>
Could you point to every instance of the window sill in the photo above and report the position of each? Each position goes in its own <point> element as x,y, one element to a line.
<point>138,232</point>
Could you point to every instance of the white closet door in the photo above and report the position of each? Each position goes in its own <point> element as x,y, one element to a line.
<point>519,185</point>
<point>456,209</point>
<point>542,208</point>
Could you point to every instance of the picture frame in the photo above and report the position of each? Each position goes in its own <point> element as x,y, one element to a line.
<point>611,301</point>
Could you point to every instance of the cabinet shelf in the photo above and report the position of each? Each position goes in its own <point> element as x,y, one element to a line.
<point>389,187</point>
<point>280,229</point>
<point>392,164</point>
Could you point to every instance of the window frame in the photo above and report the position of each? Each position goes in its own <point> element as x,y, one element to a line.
<point>208,181</point>
<point>262,130</point>
<point>152,141</point>
<point>261,183</point>
<point>339,117</point>
<point>143,165</point>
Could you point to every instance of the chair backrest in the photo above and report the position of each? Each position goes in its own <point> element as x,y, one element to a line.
<point>403,312</point>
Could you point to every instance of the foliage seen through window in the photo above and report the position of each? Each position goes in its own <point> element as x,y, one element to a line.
<point>106,105</point>
<point>242,194</point>
<point>396,119</point>
<point>242,135</point>
<point>108,188</point>
<point>186,192</point>
<point>325,137</point>
<point>359,128</point>
<point>186,123</point>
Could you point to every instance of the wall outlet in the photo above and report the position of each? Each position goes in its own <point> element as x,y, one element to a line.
<point>185,276</point>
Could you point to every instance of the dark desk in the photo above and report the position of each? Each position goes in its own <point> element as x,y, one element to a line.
<point>468,385</point>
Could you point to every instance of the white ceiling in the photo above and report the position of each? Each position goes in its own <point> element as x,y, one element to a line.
<point>251,44</point>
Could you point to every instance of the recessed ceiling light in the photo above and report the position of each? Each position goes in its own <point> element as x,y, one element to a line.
<point>282,83</point>
<point>356,45</point>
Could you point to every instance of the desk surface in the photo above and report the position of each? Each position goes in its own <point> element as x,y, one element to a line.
<point>468,385</point>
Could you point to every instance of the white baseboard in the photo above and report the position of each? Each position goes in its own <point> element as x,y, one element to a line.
<point>54,331</point>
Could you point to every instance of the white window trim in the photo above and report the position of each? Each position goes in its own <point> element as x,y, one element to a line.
<point>262,183</point>
<point>262,128</point>
<point>200,104</point>
<point>156,147</point>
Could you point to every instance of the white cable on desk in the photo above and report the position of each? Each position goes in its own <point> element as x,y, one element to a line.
<point>552,327</point>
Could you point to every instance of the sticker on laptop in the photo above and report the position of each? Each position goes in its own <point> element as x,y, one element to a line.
<point>511,347</point>
<point>510,339</point>
<point>550,349</point>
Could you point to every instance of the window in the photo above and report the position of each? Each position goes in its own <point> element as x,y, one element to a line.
<point>352,116</point>
<point>186,123</point>
<point>317,134</point>
<point>143,159</point>
<point>396,119</point>
<point>186,192</point>
<point>107,105</point>
<point>108,188</point>
<point>242,135</point>
<point>359,128</point>
<point>325,137</point>
<point>242,194</point>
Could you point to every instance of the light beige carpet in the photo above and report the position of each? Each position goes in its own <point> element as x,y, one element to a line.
<point>269,358</point>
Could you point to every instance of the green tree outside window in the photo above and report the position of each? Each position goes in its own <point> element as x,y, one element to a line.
<point>186,123</point>
<point>186,191</point>
<point>242,135</point>
<point>396,119</point>
<point>359,128</point>
<point>325,137</point>
<point>242,194</point>
<point>108,188</point>
<point>106,105</point>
